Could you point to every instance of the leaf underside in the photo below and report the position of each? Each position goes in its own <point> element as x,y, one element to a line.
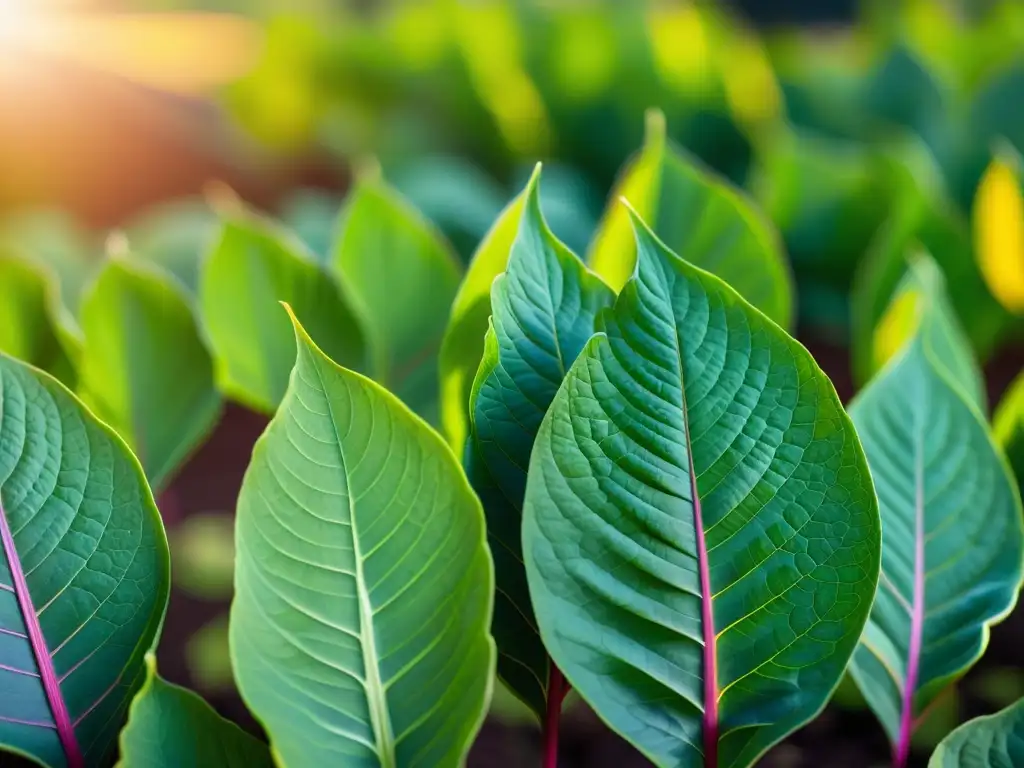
<point>610,541</point>
<point>994,741</point>
<point>92,552</point>
<point>363,587</point>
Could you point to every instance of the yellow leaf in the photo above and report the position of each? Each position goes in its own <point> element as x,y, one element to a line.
<point>999,232</point>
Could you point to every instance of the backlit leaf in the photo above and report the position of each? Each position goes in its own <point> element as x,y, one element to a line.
<point>953,532</point>
<point>991,741</point>
<point>544,308</point>
<point>363,588</point>
<point>999,230</point>
<point>704,220</point>
<point>171,727</point>
<point>402,277</point>
<point>252,267</point>
<point>700,532</point>
<point>145,370</point>
<point>83,574</point>
<point>26,329</point>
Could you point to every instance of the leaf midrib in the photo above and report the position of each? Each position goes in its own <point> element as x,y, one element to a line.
<point>380,718</point>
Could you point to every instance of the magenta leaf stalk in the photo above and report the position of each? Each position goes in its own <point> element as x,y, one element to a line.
<point>558,687</point>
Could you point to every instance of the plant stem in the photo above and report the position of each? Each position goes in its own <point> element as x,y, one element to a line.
<point>557,688</point>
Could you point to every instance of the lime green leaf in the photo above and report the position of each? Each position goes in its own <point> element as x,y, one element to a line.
<point>83,574</point>
<point>1008,424</point>
<point>170,727</point>
<point>700,531</point>
<point>253,266</point>
<point>174,236</point>
<point>363,586</point>
<point>954,534</point>
<point>999,229</point>
<point>26,329</point>
<point>402,277</point>
<point>463,344</point>
<point>704,220</point>
<point>145,370</point>
<point>992,741</point>
<point>544,309</point>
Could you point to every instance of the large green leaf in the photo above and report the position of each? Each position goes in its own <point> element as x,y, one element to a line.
<point>463,344</point>
<point>992,741</point>
<point>704,220</point>
<point>544,308</point>
<point>252,266</point>
<point>1008,424</point>
<point>363,588</point>
<point>954,536</point>
<point>83,574</point>
<point>171,727</point>
<point>403,277</point>
<point>26,329</point>
<point>700,531</point>
<point>145,370</point>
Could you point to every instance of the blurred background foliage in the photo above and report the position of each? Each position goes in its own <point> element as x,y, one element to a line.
<point>862,130</point>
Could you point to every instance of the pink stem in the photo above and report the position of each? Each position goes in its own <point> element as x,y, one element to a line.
<point>557,688</point>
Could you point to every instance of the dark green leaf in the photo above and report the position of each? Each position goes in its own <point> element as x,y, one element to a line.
<point>993,741</point>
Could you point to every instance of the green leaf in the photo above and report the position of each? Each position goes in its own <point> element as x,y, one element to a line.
<point>402,277</point>
<point>544,309</point>
<point>992,741</point>
<point>363,587</point>
<point>83,574</point>
<point>1008,425</point>
<point>252,266</point>
<point>145,370</point>
<point>463,346</point>
<point>312,215</point>
<point>704,220</point>
<point>170,727</point>
<point>922,217</point>
<point>174,236</point>
<point>26,329</point>
<point>954,534</point>
<point>700,532</point>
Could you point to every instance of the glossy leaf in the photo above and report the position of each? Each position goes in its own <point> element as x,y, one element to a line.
<point>999,230</point>
<point>252,267</point>
<point>26,329</point>
<point>704,220</point>
<point>954,536</point>
<point>544,308</point>
<point>1008,424</point>
<point>402,277</point>
<point>145,370</point>
<point>463,344</point>
<point>992,741</point>
<point>363,587</point>
<point>83,574</point>
<point>171,727</point>
<point>700,532</point>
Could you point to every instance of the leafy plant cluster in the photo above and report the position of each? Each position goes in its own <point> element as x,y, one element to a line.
<point>647,491</point>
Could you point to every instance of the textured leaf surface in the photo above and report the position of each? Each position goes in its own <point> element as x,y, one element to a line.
<point>993,741</point>
<point>251,268</point>
<point>83,574</point>
<point>26,330</point>
<point>954,536</point>
<point>145,370</point>
<point>171,727</point>
<point>544,309</point>
<point>703,220</point>
<point>999,230</point>
<point>700,533</point>
<point>363,589</point>
<point>463,344</point>
<point>1009,427</point>
<point>402,277</point>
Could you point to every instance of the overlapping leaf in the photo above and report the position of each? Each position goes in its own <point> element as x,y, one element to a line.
<point>402,278</point>
<point>544,308</point>
<point>700,532</point>
<point>253,266</point>
<point>363,587</point>
<point>1008,425</point>
<point>993,741</point>
<point>954,536</point>
<point>171,727</point>
<point>26,329</point>
<point>145,370</point>
<point>83,574</point>
<point>703,220</point>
